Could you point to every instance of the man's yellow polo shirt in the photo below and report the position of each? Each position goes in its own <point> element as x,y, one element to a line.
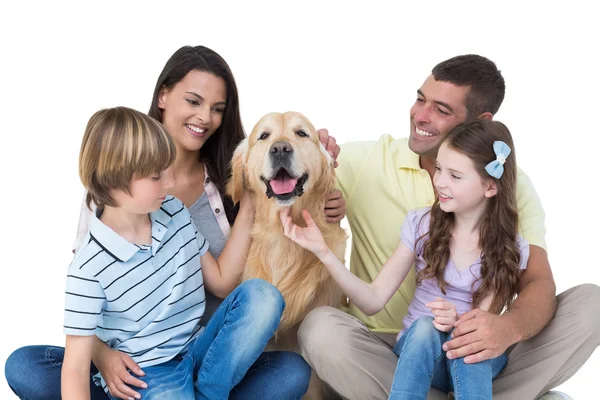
<point>382,181</point>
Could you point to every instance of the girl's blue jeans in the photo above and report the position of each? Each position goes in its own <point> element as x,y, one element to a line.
<point>422,363</point>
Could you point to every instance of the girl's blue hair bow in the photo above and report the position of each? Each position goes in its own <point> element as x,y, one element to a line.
<point>496,167</point>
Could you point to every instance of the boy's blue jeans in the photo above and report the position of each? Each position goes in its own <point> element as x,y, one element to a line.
<point>422,363</point>
<point>225,361</point>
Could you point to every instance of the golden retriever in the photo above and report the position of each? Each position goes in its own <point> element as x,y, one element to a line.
<point>283,163</point>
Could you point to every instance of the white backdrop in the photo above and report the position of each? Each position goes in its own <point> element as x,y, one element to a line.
<point>350,68</point>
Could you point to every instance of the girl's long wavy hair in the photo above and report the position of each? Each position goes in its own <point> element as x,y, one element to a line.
<point>218,150</point>
<point>498,227</point>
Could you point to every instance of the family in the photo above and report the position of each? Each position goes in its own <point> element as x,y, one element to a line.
<point>154,307</point>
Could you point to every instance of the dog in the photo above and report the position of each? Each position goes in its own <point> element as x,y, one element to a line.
<point>283,163</point>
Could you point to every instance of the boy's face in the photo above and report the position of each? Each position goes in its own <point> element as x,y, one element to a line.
<point>147,194</point>
<point>439,107</point>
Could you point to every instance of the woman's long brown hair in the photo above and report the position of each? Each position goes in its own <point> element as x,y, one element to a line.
<point>498,227</point>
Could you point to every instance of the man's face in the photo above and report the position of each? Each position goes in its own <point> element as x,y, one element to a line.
<point>439,107</point>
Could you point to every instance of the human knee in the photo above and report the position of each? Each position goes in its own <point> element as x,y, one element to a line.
<point>591,294</point>
<point>423,327</point>
<point>314,332</point>
<point>23,375</point>
<point>264,300</point>
<point>587,296</point>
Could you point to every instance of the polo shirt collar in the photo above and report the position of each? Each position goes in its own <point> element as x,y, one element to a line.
<point>117,246</point>
<point>407,158</point>
<point>109,240</point>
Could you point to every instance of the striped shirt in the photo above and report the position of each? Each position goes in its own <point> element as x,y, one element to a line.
<point>214,198</point>
<point>145,301</point>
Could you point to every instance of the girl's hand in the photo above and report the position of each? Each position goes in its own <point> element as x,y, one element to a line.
<point>114,365</point>
<point>444,313</point>
<point>310,237</point>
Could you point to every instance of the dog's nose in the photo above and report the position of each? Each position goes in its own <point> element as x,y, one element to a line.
<point>281,149</point>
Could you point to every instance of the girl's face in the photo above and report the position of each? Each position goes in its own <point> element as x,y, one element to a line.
<point>459,186</point>
<point>193,109</point>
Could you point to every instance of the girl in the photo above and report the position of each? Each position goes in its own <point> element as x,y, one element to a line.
<point>196,99</point>
<point>467,254</point>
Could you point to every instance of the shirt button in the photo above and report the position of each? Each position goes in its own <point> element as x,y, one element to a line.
<point>217,210</point>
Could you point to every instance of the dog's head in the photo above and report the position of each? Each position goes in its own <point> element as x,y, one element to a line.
<point>282,159</point>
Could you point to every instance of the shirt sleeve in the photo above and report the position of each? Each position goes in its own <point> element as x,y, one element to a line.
<point>351,161</point>
<point>202,242</point>
<point>84,302</point>
<point>408,233</point>
<point>84,222</point>
<point>524,248</point>
<point>531,214</point>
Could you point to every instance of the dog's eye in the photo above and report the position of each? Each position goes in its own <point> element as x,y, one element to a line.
<point>301,133</point>
<point>263,136</point>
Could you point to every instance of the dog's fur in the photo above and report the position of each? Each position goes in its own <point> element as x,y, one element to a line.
<point>298,274</point>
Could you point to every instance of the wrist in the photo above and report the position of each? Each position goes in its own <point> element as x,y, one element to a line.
<point>324,254</point>
<point>511,329</point>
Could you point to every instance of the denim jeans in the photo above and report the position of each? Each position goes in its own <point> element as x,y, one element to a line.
<point>422,363</point>
<point>225,361</point>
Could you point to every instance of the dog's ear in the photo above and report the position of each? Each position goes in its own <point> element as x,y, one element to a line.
<point>237,182</point>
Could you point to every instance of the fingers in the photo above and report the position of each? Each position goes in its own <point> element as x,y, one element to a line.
<point>440,305</point>
<point>445,320</point>
<point>466,317</point>
<point>323,136</point>
<point>286,221</point>
<point>330,144</point>
<point>122,391</point>
<point>308,219</point>
<point>132,365</point>
<point>481,356</point>
<point>463,351</point>
<point>442,327</point>
<point>335,206</point>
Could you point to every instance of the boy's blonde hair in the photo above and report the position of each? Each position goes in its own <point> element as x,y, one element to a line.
<point>118,143</point>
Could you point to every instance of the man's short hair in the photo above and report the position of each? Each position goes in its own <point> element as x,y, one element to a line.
<point>118,143</point>
<point>481,75</point>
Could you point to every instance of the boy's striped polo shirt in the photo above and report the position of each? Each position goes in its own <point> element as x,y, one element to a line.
<point>145,301</point>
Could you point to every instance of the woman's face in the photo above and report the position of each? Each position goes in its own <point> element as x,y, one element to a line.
<point>193,109</point>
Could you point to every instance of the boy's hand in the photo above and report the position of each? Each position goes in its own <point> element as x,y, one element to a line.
<point>444,313</point>
<point>113,366</point>
<point>310,237</point>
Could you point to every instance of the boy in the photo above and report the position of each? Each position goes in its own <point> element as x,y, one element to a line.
<point>136,282</point>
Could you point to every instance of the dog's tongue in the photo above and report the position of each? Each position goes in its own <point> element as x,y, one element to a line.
<point>283,184</point>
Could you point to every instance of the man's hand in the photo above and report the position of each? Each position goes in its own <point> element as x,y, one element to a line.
<point>330,145</point>
<point>480,335</point>
<point>335,206</point>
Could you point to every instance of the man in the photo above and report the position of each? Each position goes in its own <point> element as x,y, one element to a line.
<point>548,338</point>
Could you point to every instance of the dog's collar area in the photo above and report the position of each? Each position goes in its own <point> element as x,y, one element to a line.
<point>297,192</point>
